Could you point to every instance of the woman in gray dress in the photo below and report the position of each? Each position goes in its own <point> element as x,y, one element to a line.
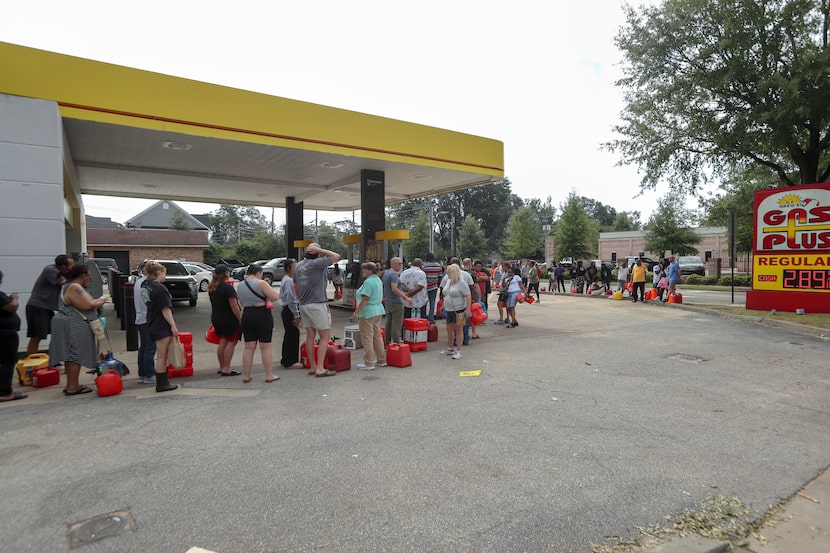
<point>73,342</point>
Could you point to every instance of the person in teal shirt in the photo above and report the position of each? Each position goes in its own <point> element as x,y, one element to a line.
<point>368,313</point>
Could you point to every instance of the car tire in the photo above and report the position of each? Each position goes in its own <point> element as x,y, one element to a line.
<point>193,302</point>
<point>203,286</point>
<point>268,278</point>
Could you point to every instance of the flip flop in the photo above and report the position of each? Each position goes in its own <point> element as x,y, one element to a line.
<point>16,396</point>
<point>327,373</point>
<point>233,372</point>
<point>273,379</point>
<point>81,390</point>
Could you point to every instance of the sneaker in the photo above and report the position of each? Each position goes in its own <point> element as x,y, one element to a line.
<point>456,355</point>
<point>140,379</point>
<point>365,367</point>
<point>381,364</point>
<point>448,351</point>
<point>150,380</point>
<point>499,322</point>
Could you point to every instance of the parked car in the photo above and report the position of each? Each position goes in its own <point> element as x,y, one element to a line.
<point>202,276</point>
<point>273,270</point>
<point>239,272</point>
<point>104,264</point>
<point>204,266</point>
<point>344,266</point>
<point>232,263</point>
<point>647,261</point>
<point>179,282</point>
<point>691,265</point>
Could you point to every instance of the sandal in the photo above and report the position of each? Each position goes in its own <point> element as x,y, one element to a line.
<point>81,390</point>
<point>273,379</point>
<point>14,397</point>
<point>233,372</point>
<point>327,373</point>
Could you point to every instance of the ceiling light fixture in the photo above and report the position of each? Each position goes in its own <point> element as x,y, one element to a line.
<point>180,146</point>
<point>331,165</point>
<point>420,177</point>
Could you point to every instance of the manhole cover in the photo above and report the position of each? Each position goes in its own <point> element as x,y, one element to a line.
<point>100,527</point>
<point>686,358</point>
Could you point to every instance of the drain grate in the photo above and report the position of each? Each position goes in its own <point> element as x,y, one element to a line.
<point>686,358</point>
<point>100,527</point>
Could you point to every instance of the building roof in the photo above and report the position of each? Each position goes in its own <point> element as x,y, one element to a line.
<point>145,237</point>
<point>160,216</point>
<point>101,222</point>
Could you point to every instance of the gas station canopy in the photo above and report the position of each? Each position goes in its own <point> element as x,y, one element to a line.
<point>134,133</point>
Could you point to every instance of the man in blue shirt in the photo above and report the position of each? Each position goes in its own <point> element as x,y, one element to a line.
<point>674,277</point>
<point>394,298</point>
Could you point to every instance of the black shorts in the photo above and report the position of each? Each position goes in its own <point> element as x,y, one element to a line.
<point>38,321</point>
<point>257,324</point>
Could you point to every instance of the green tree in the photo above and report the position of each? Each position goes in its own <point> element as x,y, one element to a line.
<point>736,195</point>
<point>573,230</point>
<point>471,240</point>
<point>603,214</point>
<point>179,222</point>
<point>710,84</point>
<point>231,223</point>
<point>418,243</point>
<point>626,220</point>
<point>524,235</point>
<point>213,253</point>
<point>669,230</point>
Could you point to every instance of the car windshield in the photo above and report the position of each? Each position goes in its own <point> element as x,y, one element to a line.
<point>175,269</point>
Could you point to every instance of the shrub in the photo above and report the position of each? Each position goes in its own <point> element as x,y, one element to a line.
<point>694,279</point>
<point>709,280</point>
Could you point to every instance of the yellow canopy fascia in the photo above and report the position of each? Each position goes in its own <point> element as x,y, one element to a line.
<point>96,91</point>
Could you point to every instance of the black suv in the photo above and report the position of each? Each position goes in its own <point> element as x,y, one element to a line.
<point>178,281</point>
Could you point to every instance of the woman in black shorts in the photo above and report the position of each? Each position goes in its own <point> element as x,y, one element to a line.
<point>257,297</point>
<point>160,323</point>
<point>225,316</point>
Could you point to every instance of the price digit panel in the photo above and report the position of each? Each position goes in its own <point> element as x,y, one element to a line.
<point>806,279</point>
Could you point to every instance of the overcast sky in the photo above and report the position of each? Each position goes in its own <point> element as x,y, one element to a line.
<point>537,75</point>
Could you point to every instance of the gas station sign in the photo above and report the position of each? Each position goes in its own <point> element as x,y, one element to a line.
<point>791,249</point>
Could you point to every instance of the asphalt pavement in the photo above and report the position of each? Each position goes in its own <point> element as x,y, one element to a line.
<point>591,418</point>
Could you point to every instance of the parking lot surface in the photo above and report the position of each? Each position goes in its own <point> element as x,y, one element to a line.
<point>592,417</point>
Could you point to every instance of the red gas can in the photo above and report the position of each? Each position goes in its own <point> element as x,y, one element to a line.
<point>676,298</point>
<point>397,355</point>
<point>109,383</point>
<point>415,333</point>
<point>304,359</point>
<point>338,358</point>
<point>187,341</point>
<point>478,314</point>
<point>48,376</point>
<point>432,332</point>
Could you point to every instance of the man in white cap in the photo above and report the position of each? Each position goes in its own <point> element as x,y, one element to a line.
<point>310,281</point>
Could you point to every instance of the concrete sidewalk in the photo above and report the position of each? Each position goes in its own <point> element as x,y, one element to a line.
<point>802,527</point>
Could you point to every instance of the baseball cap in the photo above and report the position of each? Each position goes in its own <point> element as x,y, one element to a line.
<point>313,245</point>
<point>221,268</point>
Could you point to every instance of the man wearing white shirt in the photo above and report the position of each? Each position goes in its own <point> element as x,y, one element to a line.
<point>414,285</point>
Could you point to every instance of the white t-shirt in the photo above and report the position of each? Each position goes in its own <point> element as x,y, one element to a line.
<point>455,296</point>
<point>412,278</point>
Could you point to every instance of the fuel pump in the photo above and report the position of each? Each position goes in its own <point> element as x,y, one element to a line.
<point>353,277</point>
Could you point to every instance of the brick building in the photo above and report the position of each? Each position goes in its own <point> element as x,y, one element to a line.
<point>134,246</point>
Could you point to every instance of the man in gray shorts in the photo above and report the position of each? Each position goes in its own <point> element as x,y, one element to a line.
<point>310,281</point>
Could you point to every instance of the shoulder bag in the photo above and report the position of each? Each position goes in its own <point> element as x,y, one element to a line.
<point>268,303</point>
